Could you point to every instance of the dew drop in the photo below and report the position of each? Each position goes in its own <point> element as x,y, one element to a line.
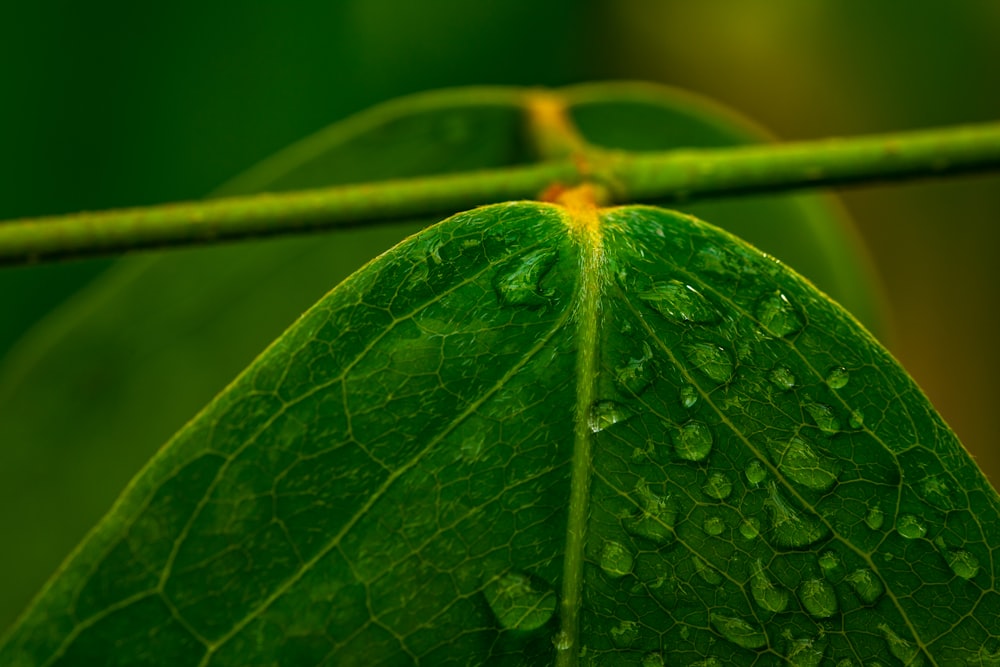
<point>838,377</point>
<point>806,651</point>
<point>936,489</point>
<point>718,486</point>
<point>518,603</point>
<point>693,441</point>
<point>653,659</point>
<point>857,419</point>
<point>518,282</point>
<point>561,641</point>
<point>868,587</point>
<point>714,525</point>
<point>679,303</point>
<point>905,651</point>
<point>910,527</point>
<point>818,597</point>
<point>829,564</point>
<point>738,631</point>
<point>607,413</point>
<point>616,560</point>
<point>625,633</point>
<point>778,316</point>
<point>635,375</point>
<point>782,378</point>
<point>707,573</point>
<point>755,472</point>
<point>750,528</point>
<point>801,463</point>
<point>766,594</point>
<point>962,563</point>
<point>875,517</point>
<point>711,360</point>
<point>823,417</point>
<point>654,520</point>
<point>689,395</point>
<point>790,528</point>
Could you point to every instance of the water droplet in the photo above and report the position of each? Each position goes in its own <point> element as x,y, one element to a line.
<point>824,418</point>
<point>607,413</point>
<point>707,662</point>
<point>654,520</point>
<point>838,377</point>
<point>685,632</point>
<point>561,641</point>
<point>857,419</point>
<point>693,441</point>
<point>689,395</point>
<point>818,597</point>
<point>714,525</point>
<point>875,517</point>
<point>713,361</point>
<point>791,528</point>
<point>616,560</point>
<point>707,573</point>
<point>962,563</point>
<point>679,303</point>
<point>806,651</point>
<point>910,527</point>
<point>518,282</point>
<point>905,651</point>
<point>739,631</point>
<point>801,463</point>
<point>936,490</point>
<point>654,659</point>
<point>829,563</point>
<point>518,603</point>
<point>636,374</point>
<point>755,472</point>
<point>718,486</point>
<point>778,316</point>
<point>750,528</point>
<point>625,633</point>
<point>782,378</point>
<point>868,587</point>
<point>766,594</point>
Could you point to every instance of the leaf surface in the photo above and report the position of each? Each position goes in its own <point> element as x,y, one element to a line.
<point>534,434</point>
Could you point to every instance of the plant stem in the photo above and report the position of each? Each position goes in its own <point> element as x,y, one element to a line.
<point>673,175</point>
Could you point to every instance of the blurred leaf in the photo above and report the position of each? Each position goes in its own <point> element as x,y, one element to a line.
<point>407,475</point>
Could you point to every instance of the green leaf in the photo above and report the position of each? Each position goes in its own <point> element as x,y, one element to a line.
<point>534,433</point>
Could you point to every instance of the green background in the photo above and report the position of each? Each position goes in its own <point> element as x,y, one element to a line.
<point>111,104</point>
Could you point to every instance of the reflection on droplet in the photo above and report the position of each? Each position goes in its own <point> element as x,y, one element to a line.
<point>654,520</point>
<point>801,463</point>
<point>755,472</point>
<point>868,587</point>
<point>714,525</point>
<point>782,378</point>
<point>739,631</point>
<point>616,560</point>
<point>518,282</point>
<point>679,303</point>
<point>711,360</point>
<point>750,528</point>
<point>607,413</point>
<point>766,594</point>
<point>818,598</point>
<point>778,316</point>
<point>635,375</point>
<point>518,602</point>
<point>625,633</point>
<point>905,651</point>
<point>875,517</point>
<point>824,417</point>
<point>962,563</point>
<point>910,527</point>
<point>718,486</point>
<point>838,377</point>
<point>689,395</point>
<point>693,441</point>
<point>791,528</point>
<point>707,573</point>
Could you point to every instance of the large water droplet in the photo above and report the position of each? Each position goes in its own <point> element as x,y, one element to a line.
<point>689,395</point>
<point>738,631</point>
<point>905,651</point>
<point>778,316</point>
<point>518,603</point>
<point>838,377</point>
<point>875,517</point>
<point>711,360</point>
<point>693,441</point>
<point>718,486</point>
<point>766,594</point>
<point>625,633</point>
<point>616,559</point>
<point>824,417</point>
<point>868,587</point>
<point>782,378</point>
<point>637,374</point>
<point>654,520</point>
<point>607,413</point>
<point>801,463</point>
<point>755,472</point>
<point>518,282</point>
<point>714,525</point>
<point>750,528</point>
<point>679,303</point>
<point>962,563</point>
<point>707,573</point>
<point>910,527</point>
<point>818,597</point>
<point>792,528</point>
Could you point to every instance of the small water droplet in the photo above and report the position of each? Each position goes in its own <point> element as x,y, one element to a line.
<point>791,528</point>
<point>561,641</point>
<point>685,632</point>
<point>756,472</point>
<point>625,633</point>
<point>518,602</point>
<point>750,528</point>
<point>824,417</point>
<point>518,282</point>
<point>875,517</point>
<point>910,527</point>
<point>714,525</point>
<point>818,597</point>
<point>905,651</point>
<point>857,419</point>
<point>712,360</point>
<point>782,378</point>
<point>778,316</point>
<point>718,486</point>
<point>766,594</point>
<point>655,519</point>
<point>616,560</point>
<point>868,587</point>
<point>689,395</point>
<point>806,651</point>
<point>607,413</point>
<point>637,374</point>
<point>962,563</point>
<point>707,573</point>
<point>829,564</point>
<point>936,489</point>
<point>738,631</point>
<point>693,441</point>
<point>801,463</point>
<point>679,303</point>
<point>838,377</point>
<point>653,659</point>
